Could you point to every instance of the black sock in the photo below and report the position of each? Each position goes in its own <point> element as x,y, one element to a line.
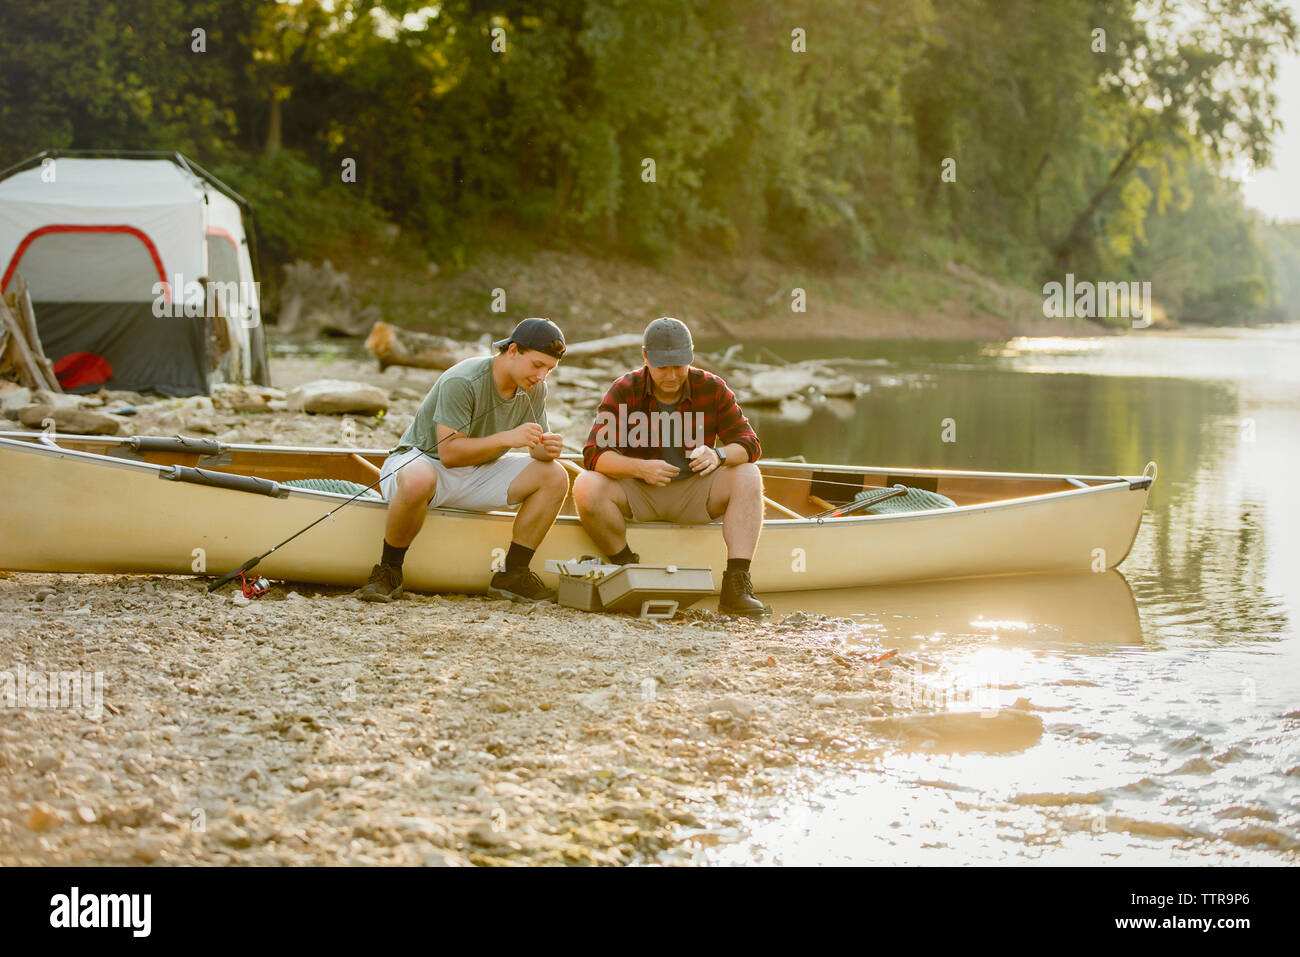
<point>625,557</point>
<point>737,564</point>
<point>393,556</point>
<point>518,557</point>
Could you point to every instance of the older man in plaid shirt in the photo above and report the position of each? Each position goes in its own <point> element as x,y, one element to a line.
<point>653,454</point>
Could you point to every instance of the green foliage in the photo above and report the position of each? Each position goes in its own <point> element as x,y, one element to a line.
<point>1069,154</point>
<point>298,213</point>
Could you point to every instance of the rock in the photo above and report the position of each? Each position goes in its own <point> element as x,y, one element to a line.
<point>238,599</point>
<point>308,805</point>
<point>732,706</point>
<point>43,818</point>
<point>484,836</point>
<point>720,719</point>
<point>444,859</point>
<point>856,702</point>
<point>770,386</point>
<point>47,761</point>
<point>244,398</point>
<point>795,410</point>
<point>823,701</point>
<point>72,421</point>
<point>64,400</point>
<point>597,701</point>
<point>86,815</point>
<point>337,396</point>
<point>229,833</point>
<point>496,704</point>
<point>12,402</point>
<point>194,414</point>
<point>148,847</point>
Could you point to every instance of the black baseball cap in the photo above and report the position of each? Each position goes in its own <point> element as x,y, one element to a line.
<point>540,334</point>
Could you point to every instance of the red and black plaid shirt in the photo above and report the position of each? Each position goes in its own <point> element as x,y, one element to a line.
<point>702,392</point>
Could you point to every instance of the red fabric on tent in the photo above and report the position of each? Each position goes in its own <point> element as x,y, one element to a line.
<point>82,368</point>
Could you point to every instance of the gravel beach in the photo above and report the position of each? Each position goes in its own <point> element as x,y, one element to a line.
<point>306,727</point>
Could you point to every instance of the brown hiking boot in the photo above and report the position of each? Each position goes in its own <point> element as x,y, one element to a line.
<point>737,596</point>
<point>385,584</point>
<point>522,584</point>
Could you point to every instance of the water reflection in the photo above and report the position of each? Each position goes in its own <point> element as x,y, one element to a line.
<point>1168,707</point>
<point>1066,610</point>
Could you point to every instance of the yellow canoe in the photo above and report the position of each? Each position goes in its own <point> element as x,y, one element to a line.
<point>94,504</point>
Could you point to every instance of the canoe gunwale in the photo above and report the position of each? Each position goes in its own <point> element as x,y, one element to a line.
<point>31,444</point>
<point>771,465</point>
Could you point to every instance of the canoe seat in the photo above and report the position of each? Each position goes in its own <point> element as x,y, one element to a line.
<point>914,500</point>
<point>338,486</point>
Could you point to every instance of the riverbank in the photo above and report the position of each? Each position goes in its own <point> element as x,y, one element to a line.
<point>307,727</point>
<point>742,300</point>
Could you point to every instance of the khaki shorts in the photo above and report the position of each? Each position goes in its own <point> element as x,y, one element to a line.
<point>476,488</point>
<point>684,501</point>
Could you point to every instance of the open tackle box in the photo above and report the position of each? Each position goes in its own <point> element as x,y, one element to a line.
<point>651,591</point>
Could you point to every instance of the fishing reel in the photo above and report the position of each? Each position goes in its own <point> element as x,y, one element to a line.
<point>253,588</point>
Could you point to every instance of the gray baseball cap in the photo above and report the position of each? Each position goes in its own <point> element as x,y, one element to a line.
<point>667,342</point>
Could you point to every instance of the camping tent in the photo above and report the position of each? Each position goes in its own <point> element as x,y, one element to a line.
<point>140,271</point>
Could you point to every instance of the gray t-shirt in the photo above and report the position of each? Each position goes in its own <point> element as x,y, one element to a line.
<point>465,399</point>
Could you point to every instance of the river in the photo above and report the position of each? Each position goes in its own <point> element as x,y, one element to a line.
<point>1168,690</point>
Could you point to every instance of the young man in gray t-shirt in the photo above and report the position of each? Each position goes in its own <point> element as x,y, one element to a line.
<point>457,453</point>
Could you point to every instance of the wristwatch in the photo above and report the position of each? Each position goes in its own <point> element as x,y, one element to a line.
<point>722,457</point>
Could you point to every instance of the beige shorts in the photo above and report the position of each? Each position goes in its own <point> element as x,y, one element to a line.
<point>684,502</point>
<point>476,488</point>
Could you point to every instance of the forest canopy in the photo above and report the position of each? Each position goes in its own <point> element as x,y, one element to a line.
<point>1025,138</point>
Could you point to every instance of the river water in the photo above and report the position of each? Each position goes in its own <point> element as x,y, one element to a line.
<point>1169,691</point>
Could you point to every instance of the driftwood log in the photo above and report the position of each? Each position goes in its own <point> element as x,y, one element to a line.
<point>596,347</point>
<point>24,316</point>
<point>29,365</point>
<point>395,346</point>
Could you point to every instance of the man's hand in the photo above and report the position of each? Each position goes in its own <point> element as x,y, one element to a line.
<point>704,459</point>
<point>657,472</point>
<point>528,434</point>
<point>548,448</point>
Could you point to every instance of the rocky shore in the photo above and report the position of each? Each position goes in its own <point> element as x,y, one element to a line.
<point>307,727</point>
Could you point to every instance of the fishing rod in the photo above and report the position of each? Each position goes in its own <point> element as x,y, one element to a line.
<point>253,562</point>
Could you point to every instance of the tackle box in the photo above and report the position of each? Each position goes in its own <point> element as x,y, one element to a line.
<point>651,591</point>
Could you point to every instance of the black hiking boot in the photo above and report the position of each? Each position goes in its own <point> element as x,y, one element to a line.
<point>522,584</point>
<point>737,596</point>
<point>385,584</point>
<point>633,559</point>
